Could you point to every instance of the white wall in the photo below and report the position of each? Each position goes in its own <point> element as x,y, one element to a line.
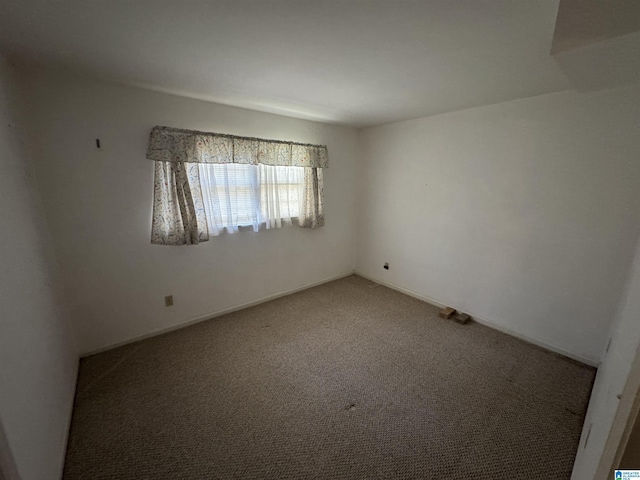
<point>610,390</point>
<point>38,361</point>
<point>524,214</point>
<point>99,204</point>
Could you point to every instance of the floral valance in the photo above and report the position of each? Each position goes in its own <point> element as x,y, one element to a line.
<point>175,145</point>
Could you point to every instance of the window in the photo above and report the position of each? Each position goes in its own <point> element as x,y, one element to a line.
<point>205,183</point>
<point>238,195</point>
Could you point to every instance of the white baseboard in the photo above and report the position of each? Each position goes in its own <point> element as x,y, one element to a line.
<point>209,316</point>
<point>496,326</point>
<point>553,348</point>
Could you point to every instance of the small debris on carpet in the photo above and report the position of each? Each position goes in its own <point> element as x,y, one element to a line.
<point>447,312</point>
<point>462,318</point>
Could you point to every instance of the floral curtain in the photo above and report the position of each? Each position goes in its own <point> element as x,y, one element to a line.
<point>189,146</point>
<point>312,211</point>
<point>179,216</point>
<point>178,210</point>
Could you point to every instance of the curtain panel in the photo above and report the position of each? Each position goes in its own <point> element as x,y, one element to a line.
<point>179,216</point>
<point>190,146</point>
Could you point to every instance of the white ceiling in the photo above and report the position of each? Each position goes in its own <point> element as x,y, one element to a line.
<point>357,62</point>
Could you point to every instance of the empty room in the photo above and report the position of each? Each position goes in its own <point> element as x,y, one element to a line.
<point>329,239</point>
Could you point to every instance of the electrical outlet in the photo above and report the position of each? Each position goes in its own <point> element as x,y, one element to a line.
<point>168,301</point>
<point>386,265</point>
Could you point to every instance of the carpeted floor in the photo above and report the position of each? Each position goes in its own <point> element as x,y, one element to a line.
<point>348,380</point>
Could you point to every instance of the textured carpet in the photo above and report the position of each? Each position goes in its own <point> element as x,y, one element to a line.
<point>348,380</point>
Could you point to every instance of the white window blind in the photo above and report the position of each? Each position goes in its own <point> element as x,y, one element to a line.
<point>236,195</point>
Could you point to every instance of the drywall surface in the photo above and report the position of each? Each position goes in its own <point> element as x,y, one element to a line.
<point>99,204</point>
<point>38,360</point>
<point>610,391</point>
<point>524,214</point>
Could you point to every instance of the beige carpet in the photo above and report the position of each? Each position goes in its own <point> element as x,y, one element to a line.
<point>348,380</point>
